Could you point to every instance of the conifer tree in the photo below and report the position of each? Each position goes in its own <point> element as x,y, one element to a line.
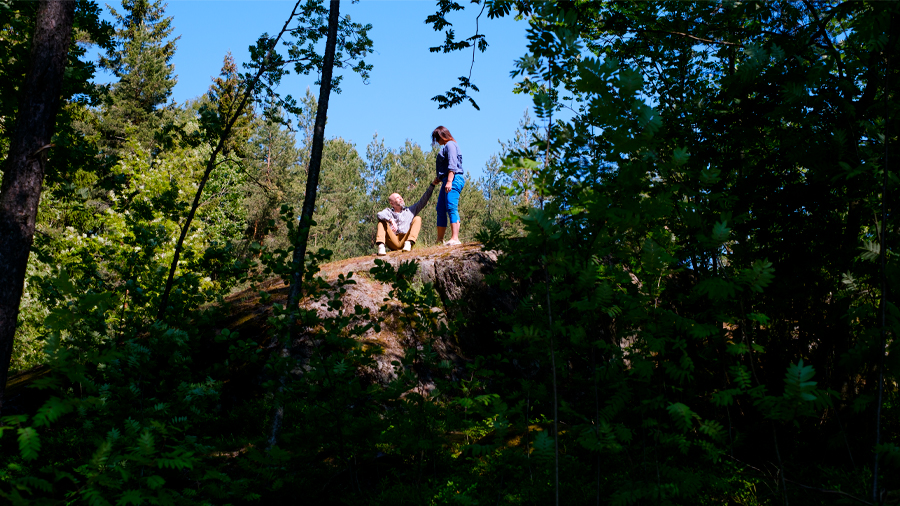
<point>341,202</point>
<point>341,190</point>
<point>224,96</point>
<point>141,59</point>
<point>276,177</point>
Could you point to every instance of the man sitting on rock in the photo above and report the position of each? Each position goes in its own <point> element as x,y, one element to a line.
<point>398,226</point>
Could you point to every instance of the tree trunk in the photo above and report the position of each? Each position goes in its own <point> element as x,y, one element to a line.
<point>309,201</point>
<point>24,169</point>
<point>315,161</point>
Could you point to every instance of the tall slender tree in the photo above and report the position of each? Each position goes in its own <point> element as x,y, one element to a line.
<point>312,185</point>
<point>23,173</point>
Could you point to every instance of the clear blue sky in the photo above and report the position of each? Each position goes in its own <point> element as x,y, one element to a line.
<point>397,101</point>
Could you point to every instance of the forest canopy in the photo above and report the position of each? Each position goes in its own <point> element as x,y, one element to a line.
<point>693,222</point>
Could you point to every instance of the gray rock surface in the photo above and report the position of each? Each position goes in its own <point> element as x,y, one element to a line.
<point>456,272</point>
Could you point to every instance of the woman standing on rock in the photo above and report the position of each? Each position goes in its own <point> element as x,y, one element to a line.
<point>449,172</point>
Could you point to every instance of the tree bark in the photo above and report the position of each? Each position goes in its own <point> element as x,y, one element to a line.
<point>23,174</point>
<point>309,200</point>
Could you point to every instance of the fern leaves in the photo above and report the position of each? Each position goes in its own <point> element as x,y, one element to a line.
<point>29,443</point>
<point>797,384</point>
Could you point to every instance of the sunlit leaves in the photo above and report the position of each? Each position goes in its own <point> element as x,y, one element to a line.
<point>51,411</point>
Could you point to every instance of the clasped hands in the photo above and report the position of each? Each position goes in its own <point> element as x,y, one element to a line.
<point>447,187</point>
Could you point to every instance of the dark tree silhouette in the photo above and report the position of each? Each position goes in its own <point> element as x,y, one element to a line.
<point>312,184</point>
<point>23,173</point>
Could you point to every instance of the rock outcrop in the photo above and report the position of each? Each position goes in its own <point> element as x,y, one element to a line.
<point>456,272</point>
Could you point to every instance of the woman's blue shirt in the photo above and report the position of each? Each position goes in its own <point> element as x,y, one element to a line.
<point>449,159</point>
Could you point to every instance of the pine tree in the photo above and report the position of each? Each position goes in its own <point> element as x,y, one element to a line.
<point>342,200</point>
<point>487,203</point>
<point>222,99</point>
<point>343,190</point>
<point>520,146</point>
<point>141,60</point>
<point>276,177</point>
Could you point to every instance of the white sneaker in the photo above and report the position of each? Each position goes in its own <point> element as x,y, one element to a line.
<point>407,246</point>
<point>381,251</point>
<point>452,242</point>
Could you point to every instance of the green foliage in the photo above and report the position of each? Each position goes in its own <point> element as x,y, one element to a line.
<point>141,60</point>
<point>275,176</point>
<point>694,225</point>
<point>659,240</point>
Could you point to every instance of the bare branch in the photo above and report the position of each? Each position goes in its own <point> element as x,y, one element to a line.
<point>689,36</point>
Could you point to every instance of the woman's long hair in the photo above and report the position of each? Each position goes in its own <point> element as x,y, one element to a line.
<point>441,134</point>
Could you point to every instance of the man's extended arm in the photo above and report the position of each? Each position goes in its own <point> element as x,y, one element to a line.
<point>418,206</point>
<point>385,215</point>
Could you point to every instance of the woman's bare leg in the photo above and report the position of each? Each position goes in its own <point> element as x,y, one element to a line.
<point>441,231</point>
<point>454,231</point>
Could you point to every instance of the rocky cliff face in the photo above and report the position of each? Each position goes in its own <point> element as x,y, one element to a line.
<point>456,272</point>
